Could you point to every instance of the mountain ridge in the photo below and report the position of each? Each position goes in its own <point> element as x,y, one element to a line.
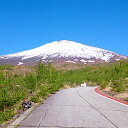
<point>64,50</point>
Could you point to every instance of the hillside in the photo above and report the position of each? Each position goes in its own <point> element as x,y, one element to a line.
<point>37,82</point>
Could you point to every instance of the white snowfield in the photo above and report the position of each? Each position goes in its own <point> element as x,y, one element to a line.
<point>20,63</point>
<point>65,48</point>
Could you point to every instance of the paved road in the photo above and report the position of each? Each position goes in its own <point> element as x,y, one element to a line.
<point>78,108</point>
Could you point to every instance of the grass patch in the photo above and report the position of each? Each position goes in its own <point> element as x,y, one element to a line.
<point>15,87</point>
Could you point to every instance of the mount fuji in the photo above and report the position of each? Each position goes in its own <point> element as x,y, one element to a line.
<point>61,51</point>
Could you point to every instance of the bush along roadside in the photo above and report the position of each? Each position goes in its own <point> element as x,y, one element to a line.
<point>112,78</point>
<point>34,86</point>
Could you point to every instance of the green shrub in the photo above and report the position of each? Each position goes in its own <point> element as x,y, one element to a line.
<point>117,86</point>
<point>34,99</point>
<point>6,115</point>
<point>103,85</point>
<point>30,81</point>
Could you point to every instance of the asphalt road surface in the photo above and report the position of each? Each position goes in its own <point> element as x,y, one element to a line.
<point>77,107</point>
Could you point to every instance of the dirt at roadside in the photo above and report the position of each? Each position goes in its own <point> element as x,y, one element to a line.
<point>118,95</point>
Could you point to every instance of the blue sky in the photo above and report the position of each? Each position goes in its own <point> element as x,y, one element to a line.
<point>27,24</point>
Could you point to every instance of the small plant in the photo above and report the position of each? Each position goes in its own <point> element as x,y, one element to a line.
<point>6,115</point>
<point>34,99</point>
<point>117,86</point>
<point>30,81</point>
<point>103,85</point>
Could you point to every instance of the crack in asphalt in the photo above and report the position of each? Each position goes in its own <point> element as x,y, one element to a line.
<point>45,113</point>
<point>52,126</point>
<point>111,110</point>
<point>90,105</point>
<point>97,110</point>
<point>69,106</point>
<point>87,107</point>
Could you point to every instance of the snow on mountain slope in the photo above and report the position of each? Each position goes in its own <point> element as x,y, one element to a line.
<point>66,49</point>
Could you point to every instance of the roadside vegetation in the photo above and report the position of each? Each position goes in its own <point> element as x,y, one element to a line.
<point>36,83</point>
<point>112,78</point>
<point>19,83</point>
<point>113,74</point>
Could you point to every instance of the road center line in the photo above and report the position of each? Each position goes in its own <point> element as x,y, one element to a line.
<point>97,110</point>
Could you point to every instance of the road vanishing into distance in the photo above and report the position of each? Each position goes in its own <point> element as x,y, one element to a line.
<point>77,107</point>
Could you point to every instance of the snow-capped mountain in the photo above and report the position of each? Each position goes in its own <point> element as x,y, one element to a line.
<point>61,51</point>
